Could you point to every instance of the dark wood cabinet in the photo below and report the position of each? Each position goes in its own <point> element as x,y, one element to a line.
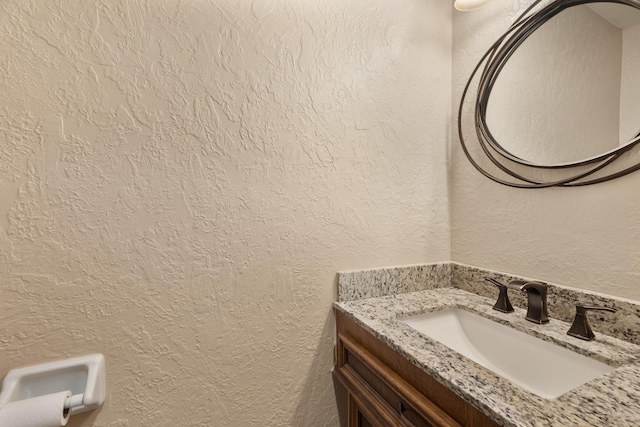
<point>356,417</point>
<point>376,386</point>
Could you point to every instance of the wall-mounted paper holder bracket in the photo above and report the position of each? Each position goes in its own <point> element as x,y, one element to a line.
<point>84,376</point>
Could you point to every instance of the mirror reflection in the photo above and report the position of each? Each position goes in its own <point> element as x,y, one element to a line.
<point>571,91</point>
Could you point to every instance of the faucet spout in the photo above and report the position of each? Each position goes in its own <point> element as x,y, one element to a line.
<point>518,284</point>
<point>537,311</point>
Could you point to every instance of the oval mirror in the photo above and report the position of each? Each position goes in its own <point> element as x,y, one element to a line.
<point>571,90</point>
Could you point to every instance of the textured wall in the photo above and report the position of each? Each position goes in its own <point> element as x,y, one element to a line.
<point>583,237</point>
<point>180,182</point>
<point>630,93</point>
<point>557,99</point>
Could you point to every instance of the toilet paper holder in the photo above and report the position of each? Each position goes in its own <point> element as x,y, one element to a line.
<point>84,376</point>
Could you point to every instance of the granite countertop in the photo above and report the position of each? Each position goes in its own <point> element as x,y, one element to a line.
<point>612,400</point>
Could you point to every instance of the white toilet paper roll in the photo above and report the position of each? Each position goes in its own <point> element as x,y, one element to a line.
<point>42,411</point>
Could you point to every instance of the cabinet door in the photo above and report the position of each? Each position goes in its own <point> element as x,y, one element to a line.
<point>380,397</point>
<point>356,417</point>
<point>365,407</point>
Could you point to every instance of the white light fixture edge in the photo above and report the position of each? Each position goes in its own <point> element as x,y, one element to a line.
<point>467,5</point>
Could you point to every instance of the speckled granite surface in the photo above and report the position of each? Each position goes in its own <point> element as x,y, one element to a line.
<point>357,284</point>
<point>611,400</point>
<point>624,324</point>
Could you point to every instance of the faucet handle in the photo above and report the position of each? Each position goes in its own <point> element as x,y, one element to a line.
<point>580,327</point>
<point>502,304</point>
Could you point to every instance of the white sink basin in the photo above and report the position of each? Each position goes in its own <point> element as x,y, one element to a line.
<point>543,368</point>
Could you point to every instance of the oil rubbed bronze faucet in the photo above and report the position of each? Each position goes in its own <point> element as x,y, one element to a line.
<point>502,304</point>
<point>580,327</point>
<point>536,299</point>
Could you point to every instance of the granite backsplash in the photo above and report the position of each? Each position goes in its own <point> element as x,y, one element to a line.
<point>360,284</point>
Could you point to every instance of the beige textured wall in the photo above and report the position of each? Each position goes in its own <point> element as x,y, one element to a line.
<point>557,99</point>
<point>583,237</point>
<point>180,182</point>
<point>630,87</point>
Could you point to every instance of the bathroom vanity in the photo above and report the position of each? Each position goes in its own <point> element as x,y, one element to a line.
<point>381,386</point>
<point>389,374</point>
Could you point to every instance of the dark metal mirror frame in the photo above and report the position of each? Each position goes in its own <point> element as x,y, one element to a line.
<point>572,174</point>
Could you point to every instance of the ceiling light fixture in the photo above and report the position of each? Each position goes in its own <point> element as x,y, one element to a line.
<point>466,5</point>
